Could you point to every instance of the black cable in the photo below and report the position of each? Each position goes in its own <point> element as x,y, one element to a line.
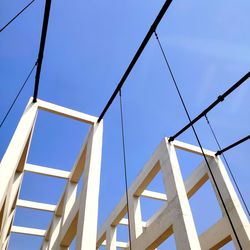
<point>227,164</point>
<point>233,145</point>
<point>6,25</point>
<point>211,106</point>
<point>19,92</point>
<point>136,56</point>
<point>125,168</point>
<point>41,49</point>
<point>173,78</point>
<point>198,140</point>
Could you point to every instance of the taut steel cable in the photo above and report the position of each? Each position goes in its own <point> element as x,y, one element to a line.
<point>125,166</point>
<point>19,92</point>
<point>197,138</point>
<point>136,56</point>
<point>227,164</point>
<point>20,12</point>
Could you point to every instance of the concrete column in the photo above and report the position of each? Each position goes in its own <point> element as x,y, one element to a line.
<point>11,168</point>
<point>182,220</point>
<point>16,148</point>
<point>88,206</point>
<point>237,215</point>
<point>136,228</point>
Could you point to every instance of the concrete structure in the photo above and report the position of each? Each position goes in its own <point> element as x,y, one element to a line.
<point>76,215</point>
<point>68,220</point>
<point>175,216</point>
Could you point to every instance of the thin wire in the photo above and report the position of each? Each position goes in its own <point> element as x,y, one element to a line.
<point>6,25</point>
<point>227,164</point>
<point>198,140</point>
<point>125,167</point>
<point>172,75</point>
<point>19,92</point>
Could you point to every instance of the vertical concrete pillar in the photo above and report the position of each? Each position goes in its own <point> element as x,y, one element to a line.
<point>136,228</point>
<point>11,169</point>
<point>16,148</point>
<point>182,220</point>
<point>237,215</point>
<point>88,206</point>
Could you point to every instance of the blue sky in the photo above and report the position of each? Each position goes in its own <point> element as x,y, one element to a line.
<point>89,45</point>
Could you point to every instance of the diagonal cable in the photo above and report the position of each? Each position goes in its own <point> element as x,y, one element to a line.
<point>6,25</point>
<point>198,140</point>
<point>227,164</point>
<point>19,92</point>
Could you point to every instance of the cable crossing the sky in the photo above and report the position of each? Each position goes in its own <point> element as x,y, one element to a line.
<point>6,25</point>
<point>136,57</point>
<point>40,55</point>
<point>233,145</point>
<point>197,138</point>
<point>118,89</point>
<point>191,122</point>
<point>18,94</point>
<point>125,166</point>
<point>41,49</point>
<point>219,99</point>
<point>227,164</point>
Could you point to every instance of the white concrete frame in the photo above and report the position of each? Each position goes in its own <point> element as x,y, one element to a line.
<point>74,216</point>
<point>175,216</point>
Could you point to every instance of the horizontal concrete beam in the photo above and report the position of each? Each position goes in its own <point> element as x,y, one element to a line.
<point>124,222</point>
<point>28,230</point>
<point>192,184</point>
<point>46,171</point>
<point>154,195</point>
<point>70,113</point>
<point>36,205</point>
<point>149,171</point>
<point>192,148</point>
<point>119,244</point>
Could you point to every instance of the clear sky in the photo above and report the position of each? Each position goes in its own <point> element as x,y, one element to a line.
<point>89,45</point>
